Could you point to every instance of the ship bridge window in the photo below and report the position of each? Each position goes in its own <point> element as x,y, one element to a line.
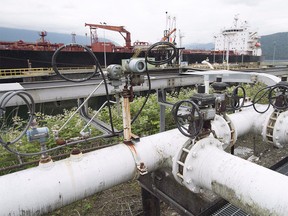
<point>233,30</point>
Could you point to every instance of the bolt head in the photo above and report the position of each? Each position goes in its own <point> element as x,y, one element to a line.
<point>194,154</point>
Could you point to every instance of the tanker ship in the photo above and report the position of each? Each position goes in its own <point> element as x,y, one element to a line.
<point>235,44</point>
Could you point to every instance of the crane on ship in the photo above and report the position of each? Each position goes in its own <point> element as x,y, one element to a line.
<point>170,29</point>
<point>120,29</point>
<point>168,34</point>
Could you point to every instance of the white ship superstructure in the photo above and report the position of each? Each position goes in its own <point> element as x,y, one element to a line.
<point>239,40</point>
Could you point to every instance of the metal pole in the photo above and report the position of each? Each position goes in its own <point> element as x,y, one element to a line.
<point>104,43</point>
<point>274,52</point>
<point>162,111</point>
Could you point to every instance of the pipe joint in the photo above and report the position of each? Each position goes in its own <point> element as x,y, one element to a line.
<point>186,161</point>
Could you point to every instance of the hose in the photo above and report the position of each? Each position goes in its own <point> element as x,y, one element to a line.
<point>55,68</point>
<point>28,101</point>
<point>98,67</point>
<point>269,91</point>
<point>163,45</point>
<point>156,63</point>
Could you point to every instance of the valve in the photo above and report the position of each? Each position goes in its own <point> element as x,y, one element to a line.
<point>115,73</point>
<point>193,117</point>
<point>278,96</point>
<point>236,103</point>
<point>41,135</point>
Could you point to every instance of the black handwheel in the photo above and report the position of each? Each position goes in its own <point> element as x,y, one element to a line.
<point>278,97</point>
<point>188,118</point>
<point>66,73</point>
<point>236,97</point>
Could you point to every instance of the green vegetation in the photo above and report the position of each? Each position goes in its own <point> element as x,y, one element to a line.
<point>277,42</point>
<point>146,124</point>
<point>124,199</point>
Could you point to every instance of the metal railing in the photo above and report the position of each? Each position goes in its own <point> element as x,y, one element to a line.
<point>30,72</point>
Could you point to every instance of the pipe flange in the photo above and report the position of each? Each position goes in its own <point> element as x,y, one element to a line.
<point>233,131</point>
<point>224,130</point>
<point>185,162</point>
<point>269,134</point>
<point>179,160</point>
<point>280,132</point>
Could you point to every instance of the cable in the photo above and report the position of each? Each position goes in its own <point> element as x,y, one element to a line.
<point>163,45</point>
<point>146,98</point>
<point>28,101</point>
<point>98,67</point>
<point>55,68</point>
<point>269,91</point>
<point>57,147</point>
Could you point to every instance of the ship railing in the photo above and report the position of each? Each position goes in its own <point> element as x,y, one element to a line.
<point>12,72</point>
<point>31,72</point>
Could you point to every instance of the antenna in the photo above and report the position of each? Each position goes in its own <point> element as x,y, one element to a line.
<point>73,37</point>
<point>236,18</point>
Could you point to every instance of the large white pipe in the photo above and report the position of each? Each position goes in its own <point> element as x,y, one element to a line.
<point>50,186</point>
<point>248,120</point>
<point>255,189</point>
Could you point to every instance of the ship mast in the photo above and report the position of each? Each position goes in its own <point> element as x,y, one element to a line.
<point>170,29</point>
<point>236,18</point>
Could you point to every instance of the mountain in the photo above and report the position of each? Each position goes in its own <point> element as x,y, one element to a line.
<point>275,44</point>
<point>11,34</point>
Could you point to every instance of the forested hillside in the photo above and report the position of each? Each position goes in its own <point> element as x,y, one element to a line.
<point>277,42</point>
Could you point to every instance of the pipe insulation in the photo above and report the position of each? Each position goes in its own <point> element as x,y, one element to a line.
<point>53,185</point>
<point>253,188</point>
<point>272,123</point>
<point>248,120</point>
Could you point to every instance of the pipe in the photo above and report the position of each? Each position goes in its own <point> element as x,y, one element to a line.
<point>259,123</point>
<point>248,120</point>
<point>55,184</point>
<point>208,63</point>
<point>255,189</point>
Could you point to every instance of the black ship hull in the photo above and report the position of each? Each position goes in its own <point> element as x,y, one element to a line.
<point>39,59</point>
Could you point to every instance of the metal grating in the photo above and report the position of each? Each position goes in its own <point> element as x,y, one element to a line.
<point>283,169</point>
<point>229,209</point>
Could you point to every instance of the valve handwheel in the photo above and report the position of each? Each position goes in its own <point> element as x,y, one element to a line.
<point>279,101</point>
<point>236,97</point>
<point>188,118</point>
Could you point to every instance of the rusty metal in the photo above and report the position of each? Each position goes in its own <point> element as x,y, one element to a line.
<point>126,119</point>
<point>119,29</point>
<point>47,159</point>
<point>75,151</point>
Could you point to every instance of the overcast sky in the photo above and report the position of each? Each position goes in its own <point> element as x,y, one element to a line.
<point>198,20</point>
